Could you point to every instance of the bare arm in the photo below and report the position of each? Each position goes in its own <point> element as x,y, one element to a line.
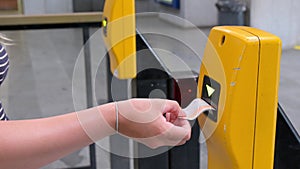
<point>35,143</point>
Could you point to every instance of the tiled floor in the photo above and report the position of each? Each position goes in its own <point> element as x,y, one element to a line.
<point>42,63</point>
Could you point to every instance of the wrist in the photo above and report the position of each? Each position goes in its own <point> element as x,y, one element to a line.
<point>108,112</point>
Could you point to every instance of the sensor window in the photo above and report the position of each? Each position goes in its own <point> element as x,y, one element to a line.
<point>211,94</point>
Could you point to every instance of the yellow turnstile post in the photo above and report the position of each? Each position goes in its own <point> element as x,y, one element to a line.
<point>119,37</point>
<point>239,77</point>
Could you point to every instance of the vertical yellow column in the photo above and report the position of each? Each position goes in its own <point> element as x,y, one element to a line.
<point>267,99</point>
<point>119,37</point>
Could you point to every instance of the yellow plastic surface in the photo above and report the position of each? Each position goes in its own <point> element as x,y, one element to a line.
<point>119,37</point>
<point>245,61</point>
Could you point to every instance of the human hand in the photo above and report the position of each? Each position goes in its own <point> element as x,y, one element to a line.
<point>153,122</point>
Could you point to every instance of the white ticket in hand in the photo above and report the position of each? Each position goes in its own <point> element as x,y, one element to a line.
<point>195,108</point>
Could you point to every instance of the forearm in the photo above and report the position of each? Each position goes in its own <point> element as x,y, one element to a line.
<point>34,143</point>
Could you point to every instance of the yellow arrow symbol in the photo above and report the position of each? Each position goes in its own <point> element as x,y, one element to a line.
<point>210,90</point>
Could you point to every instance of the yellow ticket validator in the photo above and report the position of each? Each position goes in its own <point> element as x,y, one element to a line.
<point>239,77</point>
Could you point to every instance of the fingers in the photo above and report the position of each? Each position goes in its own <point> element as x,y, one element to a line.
<point>181,129</point>
<point>179,133</point>
<point>166,139</point>
<point>175,135</point>
<point>171,117</point>
<point>172,107</point>
<point>178,130</point>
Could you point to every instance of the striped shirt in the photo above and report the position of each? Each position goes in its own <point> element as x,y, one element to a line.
<point>4,65</point>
